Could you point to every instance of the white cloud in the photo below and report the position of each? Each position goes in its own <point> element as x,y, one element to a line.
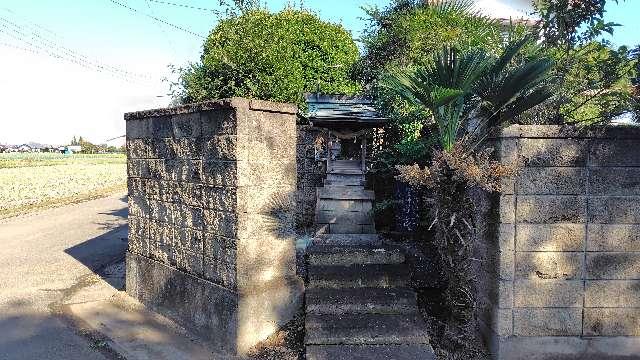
<point>505,9</point>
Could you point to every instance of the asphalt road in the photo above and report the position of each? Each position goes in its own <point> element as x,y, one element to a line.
<point>43,257</point>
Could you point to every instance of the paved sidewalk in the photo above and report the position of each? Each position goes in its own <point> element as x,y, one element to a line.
<point>45,257</point>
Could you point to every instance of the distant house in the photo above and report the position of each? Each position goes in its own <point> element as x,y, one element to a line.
<point>70,149</point>
<point>25,148</point>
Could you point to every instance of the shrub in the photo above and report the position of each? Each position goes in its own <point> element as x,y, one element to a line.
<point>271,56</point>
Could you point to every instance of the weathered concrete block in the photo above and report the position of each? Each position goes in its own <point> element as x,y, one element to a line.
<point>612,293</point>
<point>615,152</point>
<point>137,129</point>
<point>499,295</point>
<point>547,322</point>
<point>139,206</point>
<point>222,223</point>
<point>271,148</point>
<point>499,237</point>
<point>507,150</point>
<point>136,186</point>
<point>552,181</point>
<point>162,211</point>
<point>507,209</point>
<point>226,148</point>
<point>188,217</point>
<point>139,235</point>
<point>160,127</point>
<point>220,173</point>
<point>152,189</point>
<point>506,265</point>
<point>614,181</point>
<point>577,248</point>
<point>611,322</point>
<point>137,168</point>
<point>551,209</point>
<point>266,199</point>
<point>188,261</point>
<point>164,148</point>
<point>564,347</point>
<point>554,152</point>
<point>138,149</point>
<point>190,239</point>
<point>201,297</point>
<point>549,265</point>
<point>548,293</point>
<point>613,237</point>
<point>221,272</point>
<point>186,125</point>
<point>219,247</point>
<point>498,320</point>
<point>220,198</point>
<point>196,254</point>
<point>613,266</point>
<point>612,210</point>
<point>550,237</point>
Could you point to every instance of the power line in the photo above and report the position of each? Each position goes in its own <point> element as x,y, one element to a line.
<point>185,6</point>
<point>158,19</point>
<point>47,42</point>
<point>13,46</point>
<point>57,51</point>
<point>164,32</point>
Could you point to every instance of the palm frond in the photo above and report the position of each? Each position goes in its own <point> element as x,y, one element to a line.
<point>458,84</point>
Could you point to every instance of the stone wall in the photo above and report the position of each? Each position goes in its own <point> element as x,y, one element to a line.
<point>211,201</point>
<point>311,172</point>
<point>559,247</point>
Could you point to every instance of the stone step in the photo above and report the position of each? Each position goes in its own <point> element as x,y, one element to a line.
<point>344,193</point>
<point>345,172</point>
<point>361,301</point>
<point>358,276</point>
<point>344,179</point>
<point>344,205</point>
<point>370,352</point>
<point>348,239</point>
<point>344,217</point>
<point>344,182</point>
<point>346,229</point>
<point>351,255</point>
<point>345,167</point>
<point>361,329</point>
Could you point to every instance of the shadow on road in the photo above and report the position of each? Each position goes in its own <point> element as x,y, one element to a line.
<point>106,251</point>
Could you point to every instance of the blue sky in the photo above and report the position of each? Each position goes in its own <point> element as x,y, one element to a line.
<point>48,99</point>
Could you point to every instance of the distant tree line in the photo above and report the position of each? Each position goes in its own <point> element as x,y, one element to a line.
<point>90,148</point>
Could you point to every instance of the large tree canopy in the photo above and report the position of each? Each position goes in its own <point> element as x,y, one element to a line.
<point>411,32</point>
<point>272,56</point>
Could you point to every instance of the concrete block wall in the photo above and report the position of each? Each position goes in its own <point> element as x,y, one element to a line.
<point>311,171</point>
<point>212,200</point>
<point>559,276</point>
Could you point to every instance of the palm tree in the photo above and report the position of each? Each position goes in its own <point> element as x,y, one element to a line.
<point>460,87</point>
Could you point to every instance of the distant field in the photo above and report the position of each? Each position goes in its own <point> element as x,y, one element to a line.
<point>33,181</point>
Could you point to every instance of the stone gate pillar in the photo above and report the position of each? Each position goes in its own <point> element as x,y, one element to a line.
<point>211,209</point>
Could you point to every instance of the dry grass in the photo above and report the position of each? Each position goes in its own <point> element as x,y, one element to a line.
<point>37,181</point>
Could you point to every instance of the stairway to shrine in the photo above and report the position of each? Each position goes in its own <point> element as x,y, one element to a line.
<point>358,303</point>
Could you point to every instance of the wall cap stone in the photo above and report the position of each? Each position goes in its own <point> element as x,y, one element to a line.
<point>260,105</point>
<point>568,131</point>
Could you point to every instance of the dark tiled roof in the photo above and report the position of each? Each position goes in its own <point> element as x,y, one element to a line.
<point>340,111</point>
